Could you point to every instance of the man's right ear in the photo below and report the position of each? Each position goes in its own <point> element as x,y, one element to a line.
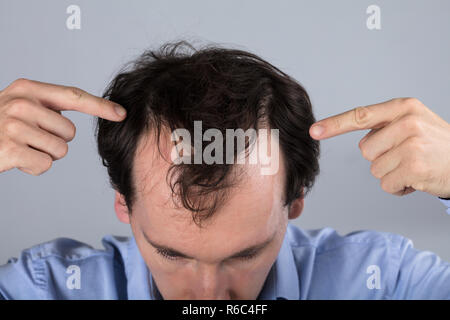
<point>121,209</point>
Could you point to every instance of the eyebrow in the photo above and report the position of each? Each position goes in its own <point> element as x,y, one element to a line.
<point>253,249</point>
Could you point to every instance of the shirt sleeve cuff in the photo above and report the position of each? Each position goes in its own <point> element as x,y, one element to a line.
<point>446,202</point>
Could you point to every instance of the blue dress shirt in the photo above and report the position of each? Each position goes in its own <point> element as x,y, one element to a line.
<point>311,264</point>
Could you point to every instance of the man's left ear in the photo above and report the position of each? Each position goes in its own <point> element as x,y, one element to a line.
<point>296,207</point>
<point>121,209</point>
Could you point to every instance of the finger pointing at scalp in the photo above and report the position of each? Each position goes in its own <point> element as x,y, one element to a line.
<point>360,118</point>
<point>60,97</point>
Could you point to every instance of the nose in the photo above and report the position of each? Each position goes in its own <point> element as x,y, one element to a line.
<point>211,284</point>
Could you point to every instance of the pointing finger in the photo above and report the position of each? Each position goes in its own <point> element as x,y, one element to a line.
<point>60,97</point>
<point>360,118</point>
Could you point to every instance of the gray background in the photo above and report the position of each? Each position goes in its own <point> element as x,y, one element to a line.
<point>325,45</point>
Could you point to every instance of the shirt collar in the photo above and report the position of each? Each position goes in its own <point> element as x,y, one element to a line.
<point>282,281</point>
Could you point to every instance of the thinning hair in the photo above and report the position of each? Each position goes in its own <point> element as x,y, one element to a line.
<point>177,84</point>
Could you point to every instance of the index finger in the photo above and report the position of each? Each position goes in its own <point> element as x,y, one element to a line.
<point>367,117</point>
<point>59,97</point>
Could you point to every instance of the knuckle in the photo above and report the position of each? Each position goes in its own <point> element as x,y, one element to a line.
<point>12,127</point>
<point>17,107</point>
<point>412,124</point>
<point>7,148</point>
<point>361,116</point>
<point>415,146</point>
<point>418,168</point>
<point>75,93</point>
<point>19,84</point>
<point>412,103</point>
<point>420,186</point>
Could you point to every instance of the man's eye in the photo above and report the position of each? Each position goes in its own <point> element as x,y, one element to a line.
<point>167,255</point>
<point>247,256</point>
<point>171,256</point>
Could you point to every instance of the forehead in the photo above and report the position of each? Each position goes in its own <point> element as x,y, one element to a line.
<point>252,209</point>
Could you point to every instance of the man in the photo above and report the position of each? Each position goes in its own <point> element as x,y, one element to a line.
<point>214,229</point>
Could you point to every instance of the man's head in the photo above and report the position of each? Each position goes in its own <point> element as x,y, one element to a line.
<point>207,230</point>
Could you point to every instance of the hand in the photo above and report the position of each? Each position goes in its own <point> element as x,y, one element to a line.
<point>33,133</point>
<point>408,144</point>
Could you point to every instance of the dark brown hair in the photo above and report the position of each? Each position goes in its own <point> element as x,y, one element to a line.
<point>224,88</point>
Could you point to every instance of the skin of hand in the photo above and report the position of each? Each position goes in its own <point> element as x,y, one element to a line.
<point>408,144</point>
<point>33,132</point>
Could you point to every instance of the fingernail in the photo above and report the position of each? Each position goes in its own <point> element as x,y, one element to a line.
<point>317,130</point>
<point>120,110</point>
